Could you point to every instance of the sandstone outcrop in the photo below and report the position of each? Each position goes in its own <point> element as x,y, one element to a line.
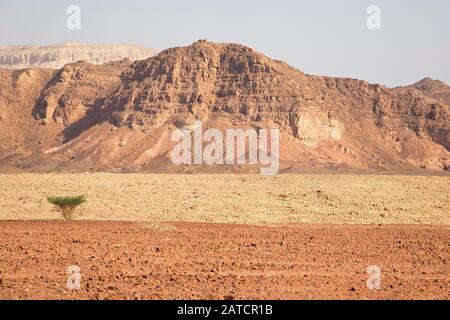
<point>119,116</point>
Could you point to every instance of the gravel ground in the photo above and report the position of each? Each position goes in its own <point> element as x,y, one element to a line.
<point>221,198</point>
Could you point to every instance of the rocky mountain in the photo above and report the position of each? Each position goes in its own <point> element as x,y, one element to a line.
<point>435,89</point>
<point>57,56</point>
<point>119,116</point>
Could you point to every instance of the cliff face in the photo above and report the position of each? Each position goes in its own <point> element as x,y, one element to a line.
<point>55,57</point>
<point>119,116</point>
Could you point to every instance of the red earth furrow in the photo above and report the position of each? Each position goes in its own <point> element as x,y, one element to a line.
<point>124,260</point>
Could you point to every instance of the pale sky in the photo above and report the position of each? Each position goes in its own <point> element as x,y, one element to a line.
<point>323,37</point>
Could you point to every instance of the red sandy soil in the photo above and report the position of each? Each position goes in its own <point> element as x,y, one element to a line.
<point>121,260</point>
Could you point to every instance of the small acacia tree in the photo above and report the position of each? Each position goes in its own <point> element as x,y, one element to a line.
<point>67,205</point>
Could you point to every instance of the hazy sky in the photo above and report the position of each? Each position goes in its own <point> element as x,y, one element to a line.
<point>324,37</point>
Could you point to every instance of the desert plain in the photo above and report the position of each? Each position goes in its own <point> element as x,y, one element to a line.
<point>225,236</point>
<point>338,222</point>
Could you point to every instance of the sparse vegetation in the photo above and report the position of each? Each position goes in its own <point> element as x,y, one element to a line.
<point>67,205</point>
<point>224,198</point>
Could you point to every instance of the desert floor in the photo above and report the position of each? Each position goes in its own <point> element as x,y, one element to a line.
<point>226,237</point>
<point>124,260</point>
<point>249,199</point>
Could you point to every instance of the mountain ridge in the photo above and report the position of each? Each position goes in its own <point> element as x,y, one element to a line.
<point>118,117</point>
<point>57,56</point>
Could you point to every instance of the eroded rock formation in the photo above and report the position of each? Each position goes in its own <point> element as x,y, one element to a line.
<point>119,116</point>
